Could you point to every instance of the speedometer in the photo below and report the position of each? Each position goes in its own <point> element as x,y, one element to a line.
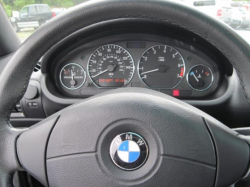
<point>110,66</point>
<point>161,66</point>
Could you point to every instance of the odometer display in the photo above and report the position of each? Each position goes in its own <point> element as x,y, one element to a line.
<point>161,66</point>
<point>110,66</point>
<point>111,82</point>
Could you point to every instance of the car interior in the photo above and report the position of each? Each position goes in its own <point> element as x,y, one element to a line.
<point>125,93</point>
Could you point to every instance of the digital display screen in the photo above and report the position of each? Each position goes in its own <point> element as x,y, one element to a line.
<point>136,45</point>
<point>111,82</point>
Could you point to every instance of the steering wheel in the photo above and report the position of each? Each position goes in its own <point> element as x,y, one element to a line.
<point>169,142</point>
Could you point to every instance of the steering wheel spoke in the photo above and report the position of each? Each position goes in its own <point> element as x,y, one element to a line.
<point>8,159</point>
<point>32,147</point>
<point>232,153</point>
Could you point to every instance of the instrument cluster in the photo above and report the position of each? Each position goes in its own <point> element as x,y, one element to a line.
<point>164,64</point>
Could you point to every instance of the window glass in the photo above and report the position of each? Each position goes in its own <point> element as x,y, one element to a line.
<point>234,13</point>
<point>38,8</point>
<point>24,10</point>
<point>32,10</point>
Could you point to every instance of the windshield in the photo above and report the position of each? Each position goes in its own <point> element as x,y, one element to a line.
<point>28,15</point>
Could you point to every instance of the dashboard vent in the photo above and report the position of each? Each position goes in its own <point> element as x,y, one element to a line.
<point>37,67</point>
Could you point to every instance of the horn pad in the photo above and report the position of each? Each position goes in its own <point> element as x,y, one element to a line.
<point>130,137</point>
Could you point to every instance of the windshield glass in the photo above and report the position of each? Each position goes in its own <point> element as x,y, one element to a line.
<point>28,15</point>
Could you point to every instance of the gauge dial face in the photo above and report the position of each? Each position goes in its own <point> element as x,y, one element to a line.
<point>110,66</point>
<point>72,76</point>
<point>161,66</point>
<point>200,77</point>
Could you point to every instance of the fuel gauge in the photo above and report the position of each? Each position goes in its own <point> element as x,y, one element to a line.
<point>200,77</point>
<point>72,76</point>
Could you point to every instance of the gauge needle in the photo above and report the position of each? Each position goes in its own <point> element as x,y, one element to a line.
<point>100,73</point>
<point>72,82</point>
<point>146,72</point>
<point>72,75</point>
<point>192,73</point>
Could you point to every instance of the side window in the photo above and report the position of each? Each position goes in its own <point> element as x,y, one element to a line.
<point>24,10</point>
<point>42,9</point>
<point>47,9</point>
<point>38,9</point>
<point>33,10</point>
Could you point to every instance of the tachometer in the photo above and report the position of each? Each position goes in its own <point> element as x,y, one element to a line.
<point>110,66</point>
<point>161,66</point>
<point>72,76</point>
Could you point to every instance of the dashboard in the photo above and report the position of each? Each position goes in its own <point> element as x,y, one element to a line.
<point>151,61</point>
<point>133,53</point>
<point>103,58</point>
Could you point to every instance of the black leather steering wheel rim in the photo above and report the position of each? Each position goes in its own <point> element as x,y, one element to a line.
<point>16,75</point>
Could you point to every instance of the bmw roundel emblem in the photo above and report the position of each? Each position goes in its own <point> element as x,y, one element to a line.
<point>128,151</point>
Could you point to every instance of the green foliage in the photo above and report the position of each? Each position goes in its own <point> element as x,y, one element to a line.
<point>59,3</point>
<point>8,10</point>
<point>6,7</point>
<point>18,4</point>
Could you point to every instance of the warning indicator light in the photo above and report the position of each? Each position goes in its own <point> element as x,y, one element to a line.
<point>176,93</point>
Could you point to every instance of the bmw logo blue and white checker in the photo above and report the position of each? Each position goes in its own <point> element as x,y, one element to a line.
<point>129,151</point>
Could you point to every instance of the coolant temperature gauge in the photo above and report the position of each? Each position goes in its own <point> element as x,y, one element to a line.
<point>200,77</point>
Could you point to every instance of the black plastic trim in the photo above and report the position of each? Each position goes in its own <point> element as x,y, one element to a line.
<point>232,155</point>
<point>32,147</point>
<point>24,122</point>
